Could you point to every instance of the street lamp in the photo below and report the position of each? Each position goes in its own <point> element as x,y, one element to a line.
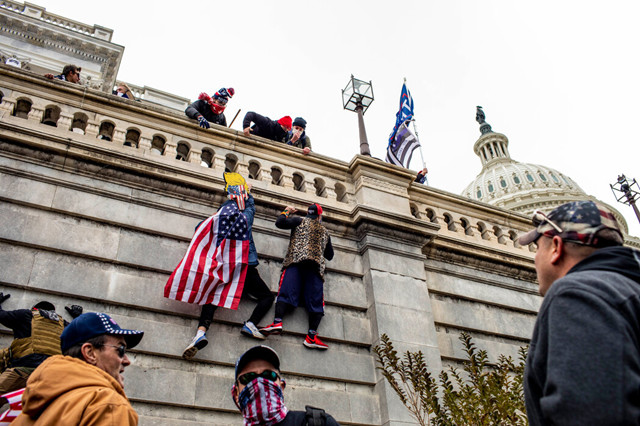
<point>357,96</point>
<point>625,192</point>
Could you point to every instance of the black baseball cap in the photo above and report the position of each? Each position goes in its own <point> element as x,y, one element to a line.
<point>258,352</point>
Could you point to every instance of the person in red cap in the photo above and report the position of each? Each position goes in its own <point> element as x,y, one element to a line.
<point>303,271</point>
<point>209,109</point>
<point>266,127</point>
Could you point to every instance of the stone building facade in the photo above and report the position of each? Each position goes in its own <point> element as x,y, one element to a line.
<point>99,201</point>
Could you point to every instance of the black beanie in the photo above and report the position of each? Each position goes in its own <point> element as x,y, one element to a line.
<point>299,121</point>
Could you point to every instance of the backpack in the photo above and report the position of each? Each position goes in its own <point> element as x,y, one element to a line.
<point>315,416</point>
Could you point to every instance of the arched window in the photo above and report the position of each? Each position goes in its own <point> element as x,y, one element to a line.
<point>298,182</point>
<point>132,138</point>
<point>341,193</point>
<point>206,158</point>
<point>415,212</point>
<point>432,216</point>
<point>543,177</point>
<point>157,145</point>
<point>451,226</point>
<point>51,115</point>
<point>182,151</point>
<point>516,179</point>
<point>106,131</point>
<point>555,179</point>
<point>490,187</point>
<point>22,108</point>
<point>479,194</point>
<point>321,190</point>
<point>529,177</point>
<point>503,183</point>
<point>79,123</point>
<point>230,163</point>
<point>254,170</point>
<point>276,176</point>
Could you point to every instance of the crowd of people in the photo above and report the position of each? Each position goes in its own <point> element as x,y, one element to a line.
<point>582,368</point>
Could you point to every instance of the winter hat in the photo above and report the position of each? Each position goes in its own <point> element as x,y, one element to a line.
<point>286,122</point>
<point>301,122</point>
<point>314,211</point>
<point>225,93</point>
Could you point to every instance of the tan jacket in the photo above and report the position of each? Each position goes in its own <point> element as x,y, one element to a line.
<point>68,391</point>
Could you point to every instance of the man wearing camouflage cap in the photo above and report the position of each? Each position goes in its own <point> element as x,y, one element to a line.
<point>583,365</point>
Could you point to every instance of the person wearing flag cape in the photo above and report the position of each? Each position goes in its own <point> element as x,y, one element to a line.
<point>220,266</point>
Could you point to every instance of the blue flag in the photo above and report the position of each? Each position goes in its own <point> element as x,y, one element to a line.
<point>404,113</point>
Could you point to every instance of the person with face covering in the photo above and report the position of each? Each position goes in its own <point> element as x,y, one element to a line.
<point>266,127</point>
<point>258,392</point>
<point>303,271</point>
<point>209,109</point>
<point>298,136</point>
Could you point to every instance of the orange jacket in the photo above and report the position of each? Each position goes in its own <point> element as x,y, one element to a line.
<point>68,391</point>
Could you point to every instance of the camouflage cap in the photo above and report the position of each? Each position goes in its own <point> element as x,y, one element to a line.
<point>580,222</point>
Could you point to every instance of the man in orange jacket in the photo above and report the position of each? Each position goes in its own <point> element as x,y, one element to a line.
<point>84,385</point>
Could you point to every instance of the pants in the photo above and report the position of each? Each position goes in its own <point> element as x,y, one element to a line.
<point>13,379</point>
<point>302,281</point>
<point>254,288</point>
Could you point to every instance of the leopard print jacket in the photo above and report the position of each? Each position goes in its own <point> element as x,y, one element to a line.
<point>308,241</point>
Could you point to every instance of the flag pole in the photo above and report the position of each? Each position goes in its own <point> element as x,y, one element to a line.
<point>415,130</point>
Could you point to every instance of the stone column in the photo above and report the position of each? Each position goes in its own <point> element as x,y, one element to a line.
<point>92,128</point>
<point>243,169</point>
<point>144,143</point>
<point>218,163</point>
<point>170,150</point>
<point>195,156</point>
<point>64,122</point>
<point>119,136</point>
<point>36,114</point>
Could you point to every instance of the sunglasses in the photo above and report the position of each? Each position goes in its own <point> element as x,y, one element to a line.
<point>266,374</point>
<point>539,218</point>
<point>122,349</point>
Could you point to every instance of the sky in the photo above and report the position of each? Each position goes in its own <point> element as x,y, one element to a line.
<point>560,79</point>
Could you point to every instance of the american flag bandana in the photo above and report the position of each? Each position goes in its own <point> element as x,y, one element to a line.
<point>237,193</point>
<point>262,403</point>
<point>15,407</point>
<point>215,266</point>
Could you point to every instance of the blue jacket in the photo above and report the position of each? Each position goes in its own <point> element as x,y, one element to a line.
<point>249,211</point>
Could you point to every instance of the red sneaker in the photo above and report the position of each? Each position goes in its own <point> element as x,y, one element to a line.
<point>315,342</point>
<point>274,328</point>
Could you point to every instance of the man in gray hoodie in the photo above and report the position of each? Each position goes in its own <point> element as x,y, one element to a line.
<point>583,366</point>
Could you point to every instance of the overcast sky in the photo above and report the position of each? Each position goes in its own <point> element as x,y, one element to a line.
<point>560,79</point>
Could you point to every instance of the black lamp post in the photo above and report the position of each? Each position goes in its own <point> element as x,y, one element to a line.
<point>357,96</point>
<point>626,192</point>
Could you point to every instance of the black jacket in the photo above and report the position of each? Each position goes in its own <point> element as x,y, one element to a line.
<point>201,107</point>
<point>583,366</point>
<point>264,127</point>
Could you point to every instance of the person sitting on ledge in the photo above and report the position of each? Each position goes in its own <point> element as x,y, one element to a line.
<point>265,127</point>
<point>207,109</point>
<point>298,136</point>
<point>70,73</point>
<point>422,176</point>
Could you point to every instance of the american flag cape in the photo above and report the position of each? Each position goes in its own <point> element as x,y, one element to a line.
<point>405,112</point>
<point>215,266</point>
<point>15,407</point>
<point>399,152</point>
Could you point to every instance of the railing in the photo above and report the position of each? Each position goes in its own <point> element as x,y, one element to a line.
<point>267,164</point>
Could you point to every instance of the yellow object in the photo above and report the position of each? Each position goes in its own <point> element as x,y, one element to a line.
<point>45,337</point>
<point>233,179</point>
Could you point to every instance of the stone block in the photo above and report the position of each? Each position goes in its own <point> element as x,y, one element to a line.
<point>26,190</point>
<point>345,290</point>
<point>477,316</point>
<point>15,264</point>
<point>400,291</point>
<point>151,251</point>
<point>389,262</point>
<point>57,231</point>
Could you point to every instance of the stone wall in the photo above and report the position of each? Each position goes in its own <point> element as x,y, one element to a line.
<point>90,221</point>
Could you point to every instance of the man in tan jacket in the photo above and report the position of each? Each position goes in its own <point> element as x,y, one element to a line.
<point>84,386</point>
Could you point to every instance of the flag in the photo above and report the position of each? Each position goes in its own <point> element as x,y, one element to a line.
<point>15,407</point>
<point>405,112</point>
<point>399,152</point>
<point>215,266</point>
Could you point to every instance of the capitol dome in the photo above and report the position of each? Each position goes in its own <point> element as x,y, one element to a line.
<point>521,187</point>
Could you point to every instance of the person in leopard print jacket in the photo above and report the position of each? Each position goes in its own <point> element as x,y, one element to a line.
<point>303,271</point>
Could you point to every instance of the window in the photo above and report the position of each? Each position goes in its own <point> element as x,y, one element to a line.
<point>529,177</point>
<point>516,179</point>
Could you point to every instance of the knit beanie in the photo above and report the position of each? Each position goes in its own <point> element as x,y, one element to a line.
<point>225,93</point>
<point>301,122</point>
<point>286,122</point>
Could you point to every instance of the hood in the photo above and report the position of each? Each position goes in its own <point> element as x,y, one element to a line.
<point>58,375</point>
<point>623,260</point>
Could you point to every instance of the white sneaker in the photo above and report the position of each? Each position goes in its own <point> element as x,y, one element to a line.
<point>196,344</point>
<point>250,329</point>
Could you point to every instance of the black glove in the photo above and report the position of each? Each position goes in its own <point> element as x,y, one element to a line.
<point>203,122</point>
<point>74,310</point>
<point>4,297</point>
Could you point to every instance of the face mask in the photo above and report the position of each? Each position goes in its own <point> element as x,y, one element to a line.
<point>262,403</point>
<point>217,109</point>
<point>121,94</point>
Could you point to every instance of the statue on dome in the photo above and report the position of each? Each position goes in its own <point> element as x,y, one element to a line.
<point>480,115</point>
